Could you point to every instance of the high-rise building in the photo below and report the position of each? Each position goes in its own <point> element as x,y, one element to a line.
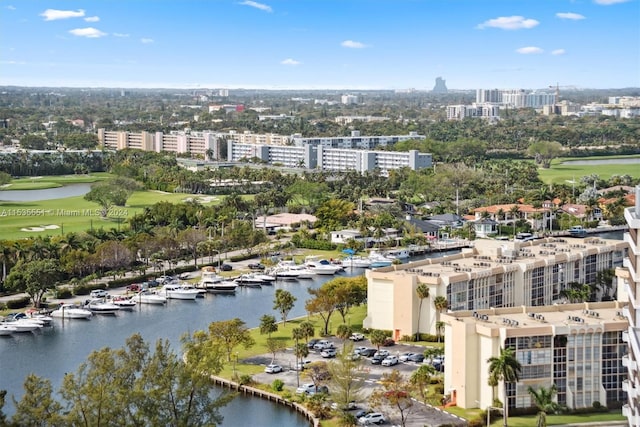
<point>629,288</point>
<point>441,85</point>
<point>349,99</point>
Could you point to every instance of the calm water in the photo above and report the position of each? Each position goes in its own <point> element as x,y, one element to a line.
<point>70,190</point>
<point>632,160</point>
<point>61,349</point>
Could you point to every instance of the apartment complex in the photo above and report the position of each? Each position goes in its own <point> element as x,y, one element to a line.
<point>577,347</point>
<point>485,111</point>
<point>492,274</point>
<point>515,98</point>
<point>354,141</point>
<point>629,290</point>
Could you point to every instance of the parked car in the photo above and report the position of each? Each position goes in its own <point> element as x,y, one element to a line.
<point>377,359</point>
<point>134,287</point>
<point>302,365</point>
<point>361,413</point>
<point>388,342</point>
<point>348,407</point>
<point>328,353</point>
<point>272,369</point>
<point>368,352</point>
<point>383,353</point>
<point>312,342</point>
<point>372,418</point>
<point>99,293</point>
<point>256,266</point>
<point>323,389</point>
<point>354,356</point>
<point>417,357</point>
<point>305,388</point>
<point>356,336</point>
<point>226,267</point>
<point>390,361</point>
<point>322,345</point>
<point>357,350</point>
<point>404,357</point>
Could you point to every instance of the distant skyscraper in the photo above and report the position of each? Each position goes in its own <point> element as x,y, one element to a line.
<point>441,86</point>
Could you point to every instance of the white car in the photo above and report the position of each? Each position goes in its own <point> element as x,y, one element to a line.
<point>272,369</point>
<point>404,357</point>
<point>99,293</point>
<point>356,336</point>
<point>323,345</point>
<point>372,418</point>
<point>328,353</point>
<point>390,361</point>
<point>306,388</point>
<point>382,353</point>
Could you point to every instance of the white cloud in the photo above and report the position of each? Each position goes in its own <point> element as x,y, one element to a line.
<point>120,35</point>
<point>11,7</point>
<point>558,52</point>
<point>55,14</point>
<point>13,62</point>
<point>146,40</point>
<point>509,23</point>
<point>89,32</point>
<point>257,5</point>
<point>529,50</point>
<point>609,2</point>
<point>290,61</point>
<point>92,18</point>
<point>352,44</point>
<point>570,15</point>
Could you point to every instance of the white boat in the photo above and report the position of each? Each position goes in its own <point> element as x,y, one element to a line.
<point>101,306</point>
<point>285,273</point>
<point>71,311</point>
<point>24,325</point>
<point>224,286</point>
<point>266,278</point>
<point>148,297</point>
<point>6,329</point>
<point>379,260</point>
<point>299,271</point>
<point>356,262</point>
<point>211,281</point>
<point>248,280</point>
<point>200,292</point>
<point>125,303</point>
<point>177,291</point>
<point>33,316</point>
<point>400,254</point>
<point>321,266</point>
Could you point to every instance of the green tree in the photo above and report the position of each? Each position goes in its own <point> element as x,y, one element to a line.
<point>422,292</point>
<point>505,368</point>
<point>307,329</point>
<point>343,332</point>
<point>377,337</point>
<point>394,393</point>
<point>229,334</point>
<point>268,324</point>
<point>324,303</point>
<point>34,142</point>
<point>347,379</point>
<point>543,399</point>
<point>5,178</point>
<point>421,380</point>
<point>275,345</point>
<point>37,406</point>
<point>283,302</point>
<point>113,192</point>
<point>34,277</point>
<point>544,152</point>
<point>190,239</point>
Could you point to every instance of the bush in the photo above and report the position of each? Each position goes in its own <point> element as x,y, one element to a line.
<point>439,389</point>
<point>277,384</point>
<point>63,293</point>
<point>18,303</point>
<point>246,379</point>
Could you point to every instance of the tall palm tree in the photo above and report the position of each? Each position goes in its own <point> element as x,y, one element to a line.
<point>441,304</point>
<point>505,368</point>
<point>515,215</point>
<point>543,399</point>
<point>422,292</point>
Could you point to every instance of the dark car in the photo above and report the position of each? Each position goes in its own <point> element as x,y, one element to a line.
<point>388,342</point>
<point>256,266</point>
<point>377,359</point>
<point>418,358</point>
<point>226,267</point>
<point>312,342</point>
<point>368,352</point>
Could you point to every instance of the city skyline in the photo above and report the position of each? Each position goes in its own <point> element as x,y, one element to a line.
<point>331,44</point>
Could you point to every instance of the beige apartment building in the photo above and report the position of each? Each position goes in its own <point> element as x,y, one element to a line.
<point>577,347</point>
<point>492,274</point>
<point>629,290</point>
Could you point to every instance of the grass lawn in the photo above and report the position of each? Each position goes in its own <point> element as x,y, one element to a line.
<point>560,173</point>
<point>530,420</point>
<point>59,216</point>
<point>44,182</point>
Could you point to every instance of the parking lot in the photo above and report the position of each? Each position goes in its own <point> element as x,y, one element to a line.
<point>421,415</point>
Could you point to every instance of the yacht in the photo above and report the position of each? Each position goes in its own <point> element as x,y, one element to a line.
<point>6,329</point>
<point>71,311</point>
<point>400,254</point>
<point>148,297</point>
<point>356,262</point>
<point>178,291</point>
<point>101,306</point>
<point>321,266</point>
<point>125,303</point>
<point>379,260</point>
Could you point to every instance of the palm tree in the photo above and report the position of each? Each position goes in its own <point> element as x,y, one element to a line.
<point>515,214</point>
<point>422,292</point>
<point>543,399</point>
<point>505,368</point>
<point>344,332</point>
<point>441,304</point>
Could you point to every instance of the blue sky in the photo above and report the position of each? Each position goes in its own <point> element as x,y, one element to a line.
<point>320,44</point>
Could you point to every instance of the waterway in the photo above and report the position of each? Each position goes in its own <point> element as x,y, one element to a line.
<point>53,352</point>
<point>619,161</point>
<point>71,190</point>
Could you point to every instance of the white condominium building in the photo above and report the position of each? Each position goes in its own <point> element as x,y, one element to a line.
<point>484,111</point>
<point>492,274</point>
<point>354,141</point>
<point>577,347</point>
<point>629,290</point>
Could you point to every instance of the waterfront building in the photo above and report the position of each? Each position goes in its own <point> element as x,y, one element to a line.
<point>577,347</point>
<point>494,273</point>
<point>629,290</point>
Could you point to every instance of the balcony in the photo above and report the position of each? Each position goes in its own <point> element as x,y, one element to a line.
<point>630,364</point>
<point>634,419</point>
<point>632,392</point>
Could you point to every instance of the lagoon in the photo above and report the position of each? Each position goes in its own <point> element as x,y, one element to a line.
<point>71,190</point>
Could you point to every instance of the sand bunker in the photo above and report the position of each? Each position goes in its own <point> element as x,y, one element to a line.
<point>40,228</point>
